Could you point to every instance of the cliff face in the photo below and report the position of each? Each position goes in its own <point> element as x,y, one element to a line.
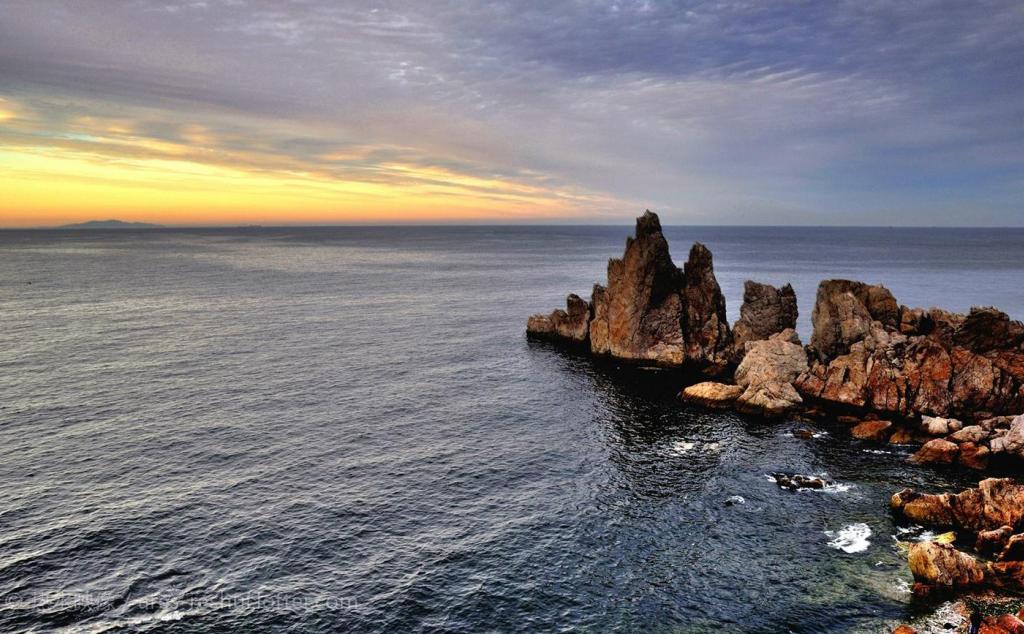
<point>873,354</point>
<point>651,311</point>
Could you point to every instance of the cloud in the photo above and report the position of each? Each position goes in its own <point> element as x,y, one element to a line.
<point>724,112</point>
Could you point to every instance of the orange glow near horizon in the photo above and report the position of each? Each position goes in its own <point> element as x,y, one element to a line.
<point>99,168</point>
<point>51,186</point>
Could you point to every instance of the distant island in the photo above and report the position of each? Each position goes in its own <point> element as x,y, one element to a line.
<point>110,224</point>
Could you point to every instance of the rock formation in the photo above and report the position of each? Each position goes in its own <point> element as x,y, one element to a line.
<point>766,310</point>
<point>711,394</point>
<point>705,326</point>
<point>997,502</point>
<point>651,311</point>
<point>872,354</point>
<point>867,353</point>
<point>767,372</point>
<point>994,512</point>
<point>572,324</point>
<point>1000,438</point>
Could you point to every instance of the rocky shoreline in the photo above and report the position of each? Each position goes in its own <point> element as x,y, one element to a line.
<point>949,382</point>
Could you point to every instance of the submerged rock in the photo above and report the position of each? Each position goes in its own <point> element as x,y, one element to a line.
<point>795,482</point>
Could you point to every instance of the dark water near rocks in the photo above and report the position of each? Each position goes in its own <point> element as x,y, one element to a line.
<point>345,430</point>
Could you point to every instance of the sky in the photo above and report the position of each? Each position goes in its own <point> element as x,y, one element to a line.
<point>824,112</point>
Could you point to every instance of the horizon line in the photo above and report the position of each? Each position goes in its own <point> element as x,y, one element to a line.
<point>158,226</point>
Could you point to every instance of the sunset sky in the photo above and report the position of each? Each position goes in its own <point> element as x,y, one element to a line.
<point>316,111</point>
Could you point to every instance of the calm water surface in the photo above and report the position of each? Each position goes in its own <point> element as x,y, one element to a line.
<point>345,429</point>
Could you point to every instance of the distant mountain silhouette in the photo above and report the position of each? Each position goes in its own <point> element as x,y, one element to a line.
<point>110,224</point>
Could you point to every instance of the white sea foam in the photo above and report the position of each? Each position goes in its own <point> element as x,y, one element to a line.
<point>850,539</point>
<point>837,487</point>
<point>680,447</point>
<point>914,533</point>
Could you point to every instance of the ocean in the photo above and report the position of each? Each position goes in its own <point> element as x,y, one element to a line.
<point>345,429</point>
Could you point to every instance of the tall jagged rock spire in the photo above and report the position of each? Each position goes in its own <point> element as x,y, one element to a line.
<point>705,326</point>
<point>651,311</point>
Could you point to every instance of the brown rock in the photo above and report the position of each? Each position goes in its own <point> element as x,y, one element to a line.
<point>768,399</point>
<point>640,311</point>
<point>1013,550</point>
<point>872,430</point>
<point>901,436</point>
<point>937,451</point>
<point>571,325</point>
<point>600,343</point>
<point>843,313</point>
<point>766,373</point>
<point>1003,624</point>
<point>766,310</point>
<point>708,341</point>
<point>904,629</point>
<point>974,456</point>
<point>988,329</point>
<point>1012,442</point>
<point>778,359</point>
<point>1006,574</point>
<point>992,542</point>
<point>651,311</point>
<point>915,321</point>
<point>711,394</point>
<point>971,433</point>
<point>996,422</point>
<point>540,326</point>
<point>943,565</point>
<point>937,426</point>
<point>996,502</point>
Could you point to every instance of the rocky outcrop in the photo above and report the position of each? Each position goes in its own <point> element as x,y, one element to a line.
<point>572,324</point>
<point>650,310</point>
<point>766,310</point>
<point>994,512</point>
<point>871,354</point>
<point>711,394</point>
<point>767,372</point>
<point>867,353</point>
<point>843,314</point>
<point>943,565</point>
<point>704,324</point>
<point>997,502</point>
<point>642,308</point>
<point>975,446</point>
